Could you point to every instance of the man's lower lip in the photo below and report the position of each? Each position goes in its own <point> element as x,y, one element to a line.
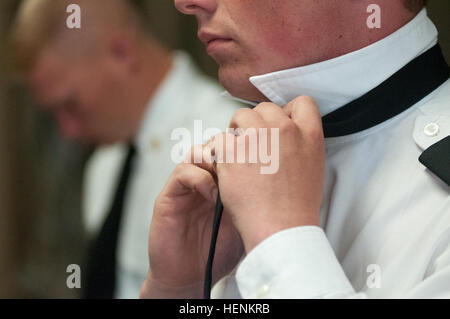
<point>216,44</point>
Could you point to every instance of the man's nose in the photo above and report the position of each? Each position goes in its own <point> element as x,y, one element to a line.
<point>194,7</point>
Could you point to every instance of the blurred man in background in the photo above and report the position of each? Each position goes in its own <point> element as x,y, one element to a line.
<point>112,85</point>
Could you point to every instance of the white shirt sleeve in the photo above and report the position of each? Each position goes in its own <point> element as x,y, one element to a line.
<point>294,263</point>
<point>300,263</point>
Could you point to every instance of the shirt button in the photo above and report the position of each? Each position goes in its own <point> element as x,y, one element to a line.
<point>431,129</point>
<point>262,291</point>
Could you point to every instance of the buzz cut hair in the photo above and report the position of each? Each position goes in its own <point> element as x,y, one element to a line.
<point>38,23</point>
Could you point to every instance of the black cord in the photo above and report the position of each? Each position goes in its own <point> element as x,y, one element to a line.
<point>212,248</point>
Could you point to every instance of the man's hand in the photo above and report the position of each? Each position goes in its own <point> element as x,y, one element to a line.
<point>256,205</point>
<point>262,205</point>
<point>180,235</point>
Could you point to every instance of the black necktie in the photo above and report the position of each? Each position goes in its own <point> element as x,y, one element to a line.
<point>402,90</point>
<point>100,276</point>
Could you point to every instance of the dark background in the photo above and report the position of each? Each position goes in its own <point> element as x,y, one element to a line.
<point>41,176</point>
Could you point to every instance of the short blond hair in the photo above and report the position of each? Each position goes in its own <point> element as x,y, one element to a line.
<point>33,28</point>
<point>40,22</point>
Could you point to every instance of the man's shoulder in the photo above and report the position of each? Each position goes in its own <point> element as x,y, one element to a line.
<point>432,133</point>
<point>433,122</point>
<point>438,102</point>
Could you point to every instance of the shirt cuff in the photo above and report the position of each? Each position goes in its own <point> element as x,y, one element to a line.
<point>294,263</point>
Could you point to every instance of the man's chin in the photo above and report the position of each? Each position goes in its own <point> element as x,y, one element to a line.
<point>238,84</point>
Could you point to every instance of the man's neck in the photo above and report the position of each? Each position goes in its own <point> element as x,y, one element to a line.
<point>336,82</point>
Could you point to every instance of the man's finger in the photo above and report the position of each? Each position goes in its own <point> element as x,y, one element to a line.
<point>193,178</point>
<point>272,114</point>
<point>220,149</point>
<point>202,156</point>
<point>245,118</point>
<point>305,113</point>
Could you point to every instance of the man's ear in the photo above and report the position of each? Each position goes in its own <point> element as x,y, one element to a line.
<point>123,51</point>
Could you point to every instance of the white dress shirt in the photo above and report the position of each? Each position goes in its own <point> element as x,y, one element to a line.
<point>184,97</point>
<point>385,218</point>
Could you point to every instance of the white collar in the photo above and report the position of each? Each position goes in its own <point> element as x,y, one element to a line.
<point>337,82</point>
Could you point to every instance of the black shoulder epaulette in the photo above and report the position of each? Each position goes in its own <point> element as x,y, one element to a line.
<point>437,159</point>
